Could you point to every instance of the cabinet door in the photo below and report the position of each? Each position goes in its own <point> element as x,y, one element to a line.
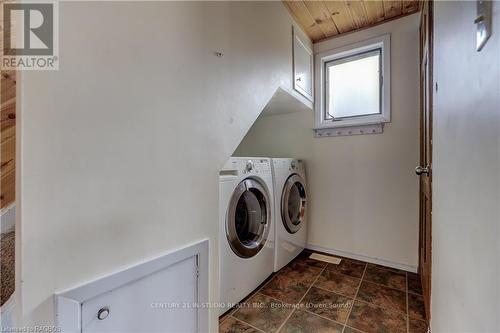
<point>302,65</point>
<point>160,302</point>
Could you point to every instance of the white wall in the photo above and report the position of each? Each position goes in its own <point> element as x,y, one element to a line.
<point>466,182</point>
<point>120,149</point>
<point>363,190</point>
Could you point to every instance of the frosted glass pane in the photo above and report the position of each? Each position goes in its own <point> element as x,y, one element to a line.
<point>354,87</point>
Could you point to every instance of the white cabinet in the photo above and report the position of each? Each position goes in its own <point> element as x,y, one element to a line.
<point>302,64</point>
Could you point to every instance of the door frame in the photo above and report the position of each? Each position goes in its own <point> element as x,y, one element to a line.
<point>425,181</point>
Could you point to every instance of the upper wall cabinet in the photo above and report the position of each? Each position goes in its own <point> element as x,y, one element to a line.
<point>302,64</point>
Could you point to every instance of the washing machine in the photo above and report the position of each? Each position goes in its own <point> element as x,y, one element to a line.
<point>290,201</point>
<point>246,229</point>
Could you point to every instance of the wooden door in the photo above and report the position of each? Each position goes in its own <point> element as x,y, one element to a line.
<point>425,167</point>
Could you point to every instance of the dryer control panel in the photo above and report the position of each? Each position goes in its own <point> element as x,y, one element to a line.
<point>290,164</point>
<point>296,165</point>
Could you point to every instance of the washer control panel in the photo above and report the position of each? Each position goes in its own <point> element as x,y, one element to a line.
<point>251,166</point>
<point>256,166</point>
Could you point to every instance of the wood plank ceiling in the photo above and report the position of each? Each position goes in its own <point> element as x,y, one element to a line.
<point>7,132</point>
<point>324,19</point>
<point>8,137</point>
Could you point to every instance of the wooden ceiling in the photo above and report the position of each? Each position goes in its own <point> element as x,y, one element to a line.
<point>324,19</point>
<point>7,130</point>
<point>7,137</point>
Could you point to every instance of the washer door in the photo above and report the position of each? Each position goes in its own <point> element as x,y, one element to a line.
<point>248,220</point>
<point>293,204</point>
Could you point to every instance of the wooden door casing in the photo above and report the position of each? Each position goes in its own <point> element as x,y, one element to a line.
<point>426,86</point>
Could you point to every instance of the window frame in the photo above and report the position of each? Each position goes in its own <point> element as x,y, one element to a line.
<point>352,50</point>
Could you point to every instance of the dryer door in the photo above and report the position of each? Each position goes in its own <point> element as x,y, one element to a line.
<point>249,218</point>
<point>293,203</point>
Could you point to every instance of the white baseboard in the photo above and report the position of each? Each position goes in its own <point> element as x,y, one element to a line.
<point>8,218</point>
<point>7,311</point>
<point>373,260</point>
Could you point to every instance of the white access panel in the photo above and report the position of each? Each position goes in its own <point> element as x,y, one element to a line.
<point>160,302</point>
<point>302,65</point>
<point>165,294</point>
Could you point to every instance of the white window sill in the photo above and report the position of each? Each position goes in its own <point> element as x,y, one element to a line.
<point>349,130</point>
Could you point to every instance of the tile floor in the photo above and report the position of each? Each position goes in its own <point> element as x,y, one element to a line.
<point>313,296</point>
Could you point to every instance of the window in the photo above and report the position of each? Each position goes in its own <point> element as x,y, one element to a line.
<point>354,84</point>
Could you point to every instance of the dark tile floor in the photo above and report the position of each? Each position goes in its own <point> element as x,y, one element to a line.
<point>313,296</point>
